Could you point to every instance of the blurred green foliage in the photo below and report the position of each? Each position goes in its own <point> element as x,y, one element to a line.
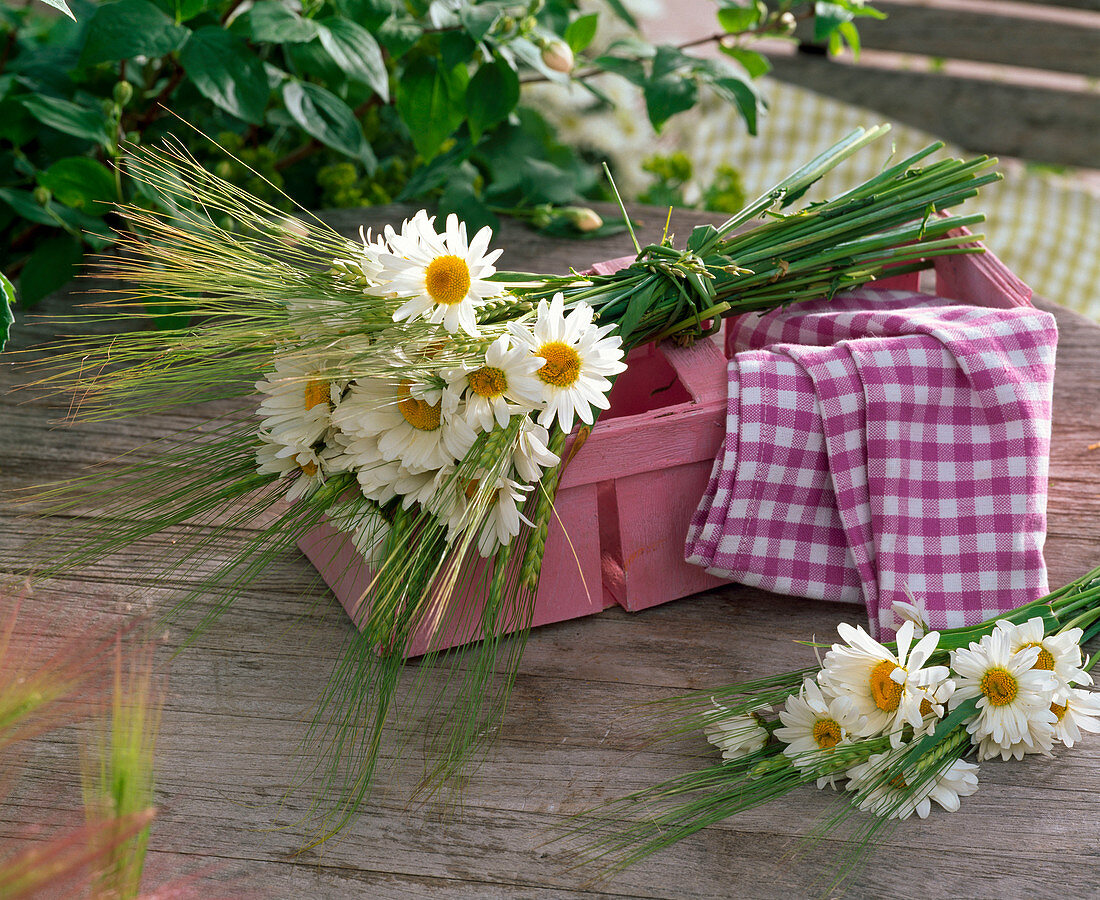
<point>335,102</point>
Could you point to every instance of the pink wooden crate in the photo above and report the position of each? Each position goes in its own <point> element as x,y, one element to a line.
<point>627,496</point>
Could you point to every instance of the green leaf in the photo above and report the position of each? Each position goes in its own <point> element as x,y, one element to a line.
<point>7,315</point>
<point>743,95</point>
<point>623,13</point>
<point>544,182</point>
<point>399,34</point>
<point>17,125</point>
<point>756,64</point>
<point>456,48</point>
<point>668,91</point>
<point>479,20</point>
<point>326,117</point>
<point>63,6</point>
<point>185,10</point>
<point>130,28</point>
<point>227,73</point>
<point>492,95</point>
<point>850,34</point>
<point>26,207</point>
<point>436,173</point>
<point>69,118</point>
<point>356,52</point>
<point>702,238</point>
<point>370,13</point>
<point>81,183</point>
<point>828,17</point>
<point>461,199</point>
<point>740,17</point>
<point>53,263</point>
<point>93,230</point>
<point>580,32</point>
<point>271,22</point>
<point>667,60</point>
<point>432,103</point>
<point>630,69</point>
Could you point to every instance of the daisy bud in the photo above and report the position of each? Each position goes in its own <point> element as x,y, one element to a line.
<point>557,55</point>
<point>293,231</point>
<point>583,219</point>
<point>123,93</point>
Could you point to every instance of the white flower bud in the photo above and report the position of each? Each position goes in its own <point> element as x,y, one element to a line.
<point>584,219</point>
<point>557,55</point>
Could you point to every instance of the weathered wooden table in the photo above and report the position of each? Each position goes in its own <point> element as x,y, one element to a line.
<point>239,697</point>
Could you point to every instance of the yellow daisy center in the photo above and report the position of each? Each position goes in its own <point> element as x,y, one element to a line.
<point>421,414</point>
<point>488,382</point>
<point>999,686</point>
<point>310,468</point>
<point>563,364</point>
<point>826,733</point>
<point>447,280</point>
<point>926,709</point>
<point>884,690</point>
<point>317,391</point>
<point>1059,710</point>
<point>899,783</point>
<point>1045,659</point>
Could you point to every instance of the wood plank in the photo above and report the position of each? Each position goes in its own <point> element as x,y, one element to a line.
<point>1030,123</point>
<point>997,32</point>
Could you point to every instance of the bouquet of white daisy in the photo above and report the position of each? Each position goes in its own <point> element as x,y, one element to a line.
<point>418,399</point>
<point>892,724</point>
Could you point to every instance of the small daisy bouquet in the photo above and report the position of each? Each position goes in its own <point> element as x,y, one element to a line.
<point>893,725</point>
<point>416,398</point>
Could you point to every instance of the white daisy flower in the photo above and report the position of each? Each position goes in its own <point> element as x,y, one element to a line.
<point>906,793</point>
<point>914,612</point>
<point>298,399</point>
<point>1039,739</point>
<point>887,688</point>
<point>736,735</point>
<point>1078,712</point>
<point>442,277</point>
<point>420,487</point>
<point>420,434</point>
<point>933,706</point>
<point>364,270</point>
<point>1058,653</point>
<point>814,724</point>
<point>366,526</point>
<point>503,386</point>
<point>304,466</point>
<point>450,501</point>
<point>504,518</point>
<point>377,476</point>
<point>531,454</point>
<point>577,359</point>
<point>1013,696</point>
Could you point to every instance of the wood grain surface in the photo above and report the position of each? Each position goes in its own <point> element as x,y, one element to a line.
<point>1005,78</point>
<point>239,697</point>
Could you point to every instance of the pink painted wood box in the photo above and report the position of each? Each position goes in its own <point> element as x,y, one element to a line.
<point>627,496</point>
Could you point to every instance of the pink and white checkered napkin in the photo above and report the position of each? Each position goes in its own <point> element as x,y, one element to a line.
<point>882,444</point>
